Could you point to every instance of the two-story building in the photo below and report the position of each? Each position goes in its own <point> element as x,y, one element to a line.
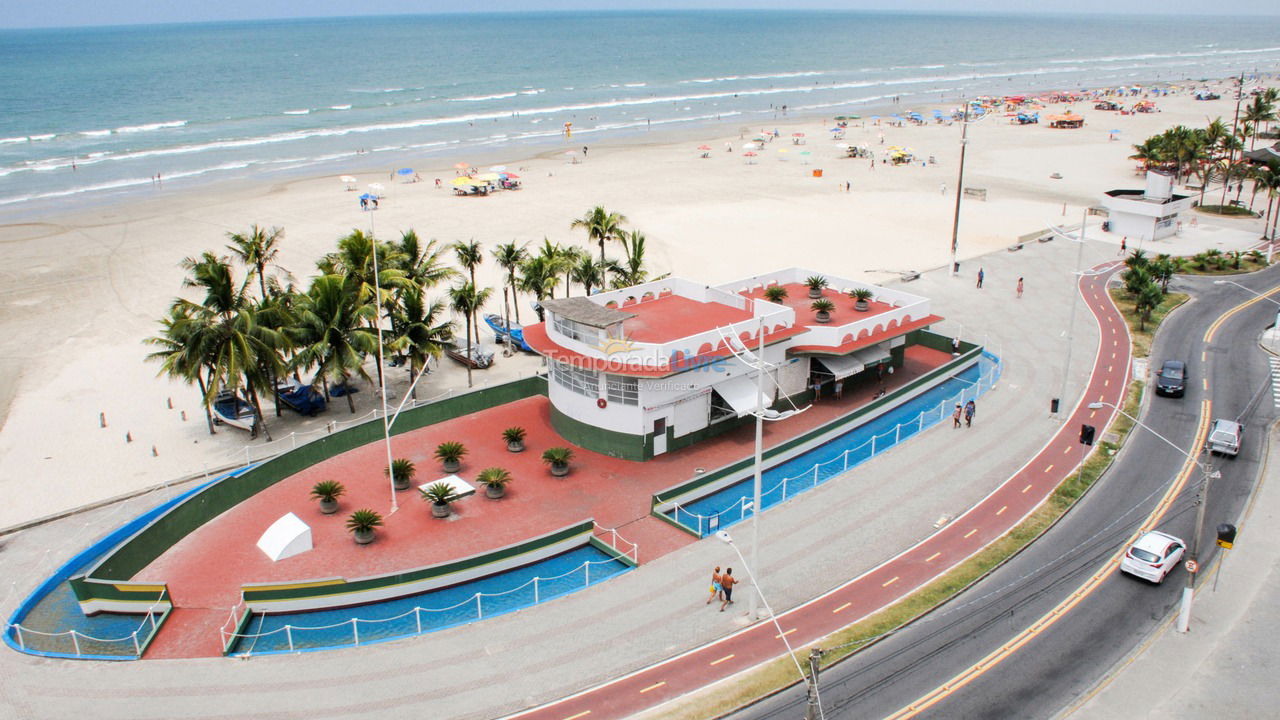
<point>648,369</point>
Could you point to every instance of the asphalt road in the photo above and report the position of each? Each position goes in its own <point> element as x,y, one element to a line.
<point>1063,661</point>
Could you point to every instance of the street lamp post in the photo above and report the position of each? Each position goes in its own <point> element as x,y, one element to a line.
<point>382,378</point>
<point>728,539</point>
<point>955,222</point>
<point>1075,296</point>
<point>1202,496</point>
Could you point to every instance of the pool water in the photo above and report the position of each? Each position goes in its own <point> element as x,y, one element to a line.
<point>429,611</point>
<point>783,481</point>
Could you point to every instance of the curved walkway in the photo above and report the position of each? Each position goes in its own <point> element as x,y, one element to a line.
<point>986,521</point>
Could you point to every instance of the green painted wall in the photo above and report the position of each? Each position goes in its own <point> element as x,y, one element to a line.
<point>140,550</point>
<point>605,442</point>
<point>434,571</point>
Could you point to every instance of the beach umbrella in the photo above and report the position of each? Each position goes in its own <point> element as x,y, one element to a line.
<point>510,176</point>
<point>465,182</point>
<point>783,150</point>
<point>797,134</point>
<point>750,146</point>
<point>487,177</point>
<point>368,196</point>
<point>498,168</point>
<point>461,166</point>
<point>405,171</point>
<point>704,147</point>
<point>349,181</point>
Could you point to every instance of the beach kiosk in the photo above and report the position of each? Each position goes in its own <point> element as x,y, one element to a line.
<point>1149,214</point>
<point>645,370</point>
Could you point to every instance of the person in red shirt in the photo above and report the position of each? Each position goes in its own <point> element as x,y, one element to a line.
<point>727,581</point>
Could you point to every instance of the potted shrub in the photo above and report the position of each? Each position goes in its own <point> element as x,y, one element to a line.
<point>439,495</point>
<point>816,283</point>
<point>823,307</point>
<point>328,492</point>
<point>558,459</point>
<point>515,438</point>
<point>775,293</point>
<point>404,471</point>
<point>362,522</point>
<point>450,454</point>
<point>861,296</point>
<point>495,481</point>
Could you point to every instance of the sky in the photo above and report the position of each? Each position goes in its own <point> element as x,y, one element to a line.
<point>65,13</point>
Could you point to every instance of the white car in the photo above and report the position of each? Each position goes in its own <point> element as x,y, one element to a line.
<point>1153,556</point>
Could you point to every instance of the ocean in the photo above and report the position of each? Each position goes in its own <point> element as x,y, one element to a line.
<point>91,115</point>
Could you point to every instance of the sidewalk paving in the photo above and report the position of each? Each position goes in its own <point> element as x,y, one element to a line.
<point>509,663</point>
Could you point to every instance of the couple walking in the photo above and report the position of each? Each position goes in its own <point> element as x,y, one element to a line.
<point>967,411</point>
<point>722,587</point>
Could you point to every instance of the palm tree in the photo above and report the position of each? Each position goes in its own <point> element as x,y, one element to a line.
<point>421,335</point>
<point>354,261</point>
<point>1256,113</point>
<point>1148,299</point>
<point>632,271</point>
<point>230,341</point>
<point>180,354</point>
<point>539,278</point>
<point>331,332</point>
<point>601,225</point>
<point>558,262</point>
<point>423,265</point>
<point>588,273</point>
<point>469,256</point>
<point>1150,153</point>
<point>257,249</point>
<point>509,256</point>
<point>467,300</point>
<point>570,256</point>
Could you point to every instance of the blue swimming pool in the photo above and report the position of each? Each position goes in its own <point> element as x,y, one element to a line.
<point>732,504</point>
<point>429,611</point>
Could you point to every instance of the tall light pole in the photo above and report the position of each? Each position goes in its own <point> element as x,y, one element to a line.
<point>1075,298</point>
<point>1202,496</point>
<point>955,222</point>
<point>726,538</point>
<point>382,376</point>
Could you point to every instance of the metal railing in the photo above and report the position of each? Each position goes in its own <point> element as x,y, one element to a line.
<point>85,646</point>
<point>614,539</point>
<point>417,621</point>
<point>819,473</point>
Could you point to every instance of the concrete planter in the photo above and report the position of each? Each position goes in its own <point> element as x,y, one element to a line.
<point>440,510</point>
<point>559,469</point>
<point>516,446</point>
<point>329,507</point>
<point>493,492</point>
<point>451,466</point>
<point>363,537</point>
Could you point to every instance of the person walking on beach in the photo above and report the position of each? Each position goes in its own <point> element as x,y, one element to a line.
<point>970,409</point>
<point>727,582</point>
<point>955,417</point>
<point>715,585</point>
<point>1019,287</point>
<point>981,277</point>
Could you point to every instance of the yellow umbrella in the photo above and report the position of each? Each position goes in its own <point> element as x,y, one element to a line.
<point>488,177</point>
<point>464,182</point>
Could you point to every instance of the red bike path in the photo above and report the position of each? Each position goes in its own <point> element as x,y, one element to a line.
<point>985,522</point>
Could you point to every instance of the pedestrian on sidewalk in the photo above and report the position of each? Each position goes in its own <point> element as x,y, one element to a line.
<point>1124,244</point>
<point>1019,287</point>
<point>715,585</point>
<point>727,582</point>
<point>981,277</point>
<point>955,417</point>
<point>970,409</point>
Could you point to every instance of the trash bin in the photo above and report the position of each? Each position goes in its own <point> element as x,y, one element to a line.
<point>817,172</point>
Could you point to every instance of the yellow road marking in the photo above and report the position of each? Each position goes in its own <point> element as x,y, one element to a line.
<point>842,607</point>
<point>584,713</point>
<point>1025,489</point>
<point>933,557</point>
<point>1204,356</point>
<point>891,581</point>
<point>654,686</point>
<point>1213,329</point>
<point>788,632</point>
<point>971,532</point>
<point>726,657</point>
<point>1048,619</point>
<point>1002,509</point>
<point>1206,383</point>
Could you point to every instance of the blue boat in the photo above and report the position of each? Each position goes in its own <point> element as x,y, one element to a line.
<point>300,398</point>
<point>501,332</point>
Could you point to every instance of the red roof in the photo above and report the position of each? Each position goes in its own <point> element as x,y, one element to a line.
<point>850,343</point>
<point>536,336</point>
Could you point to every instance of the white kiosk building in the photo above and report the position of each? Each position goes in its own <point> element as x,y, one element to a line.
<point>644,370</point>
<point>1149,214</point>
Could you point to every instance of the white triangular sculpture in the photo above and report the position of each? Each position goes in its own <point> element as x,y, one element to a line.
<point>286,537</point>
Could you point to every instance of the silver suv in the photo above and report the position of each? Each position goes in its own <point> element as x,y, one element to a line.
<point>1224,437</point>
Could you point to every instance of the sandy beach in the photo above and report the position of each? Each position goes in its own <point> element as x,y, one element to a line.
<point>82,290</point>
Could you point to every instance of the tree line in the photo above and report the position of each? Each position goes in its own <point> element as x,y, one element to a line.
<point>250,325</point>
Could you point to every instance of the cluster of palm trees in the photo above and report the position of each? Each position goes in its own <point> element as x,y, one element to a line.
<point>252,327</point>
<point>1147,280</point>
<point>1215,153</point>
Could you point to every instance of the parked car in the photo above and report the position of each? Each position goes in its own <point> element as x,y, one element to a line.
<point>1153,556</point>
<point>1224,437</point>
<point>1172,378</point>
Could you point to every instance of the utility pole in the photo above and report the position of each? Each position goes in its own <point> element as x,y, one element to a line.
<point>1231,152</point>
<point>812,710</point>
<point>1071,322</point>
<point>955,223</point>
<point>1188,592</point>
